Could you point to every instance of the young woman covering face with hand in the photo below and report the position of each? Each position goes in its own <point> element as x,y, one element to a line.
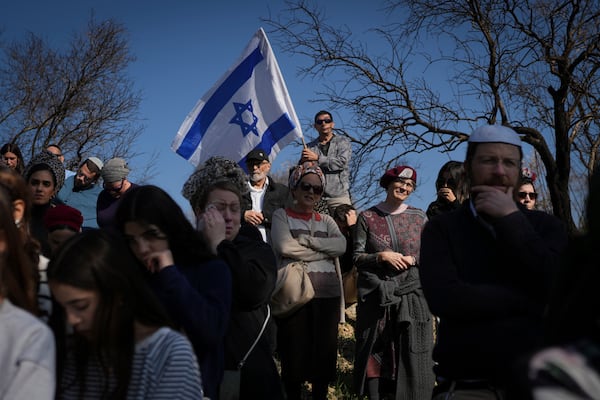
<point>122,346</point>
<point>192,284</point>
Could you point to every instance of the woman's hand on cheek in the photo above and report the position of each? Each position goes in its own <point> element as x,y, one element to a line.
<point>213,228</point>
<point>159,260</point>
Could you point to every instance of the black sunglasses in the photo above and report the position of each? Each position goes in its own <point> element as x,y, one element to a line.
<point>114,189</point>
<point>323,121</point>
<point>532,195</point>
<point>317,189</point>
<point>450,182</point>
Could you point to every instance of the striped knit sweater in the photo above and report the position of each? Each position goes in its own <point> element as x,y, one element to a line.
<point>164,367</point>
<point>314,238</point>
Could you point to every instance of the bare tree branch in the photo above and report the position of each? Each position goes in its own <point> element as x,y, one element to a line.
<point>528,64</point>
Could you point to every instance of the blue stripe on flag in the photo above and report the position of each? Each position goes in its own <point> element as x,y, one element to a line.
<point>274,133</point>
<point>217,101</point>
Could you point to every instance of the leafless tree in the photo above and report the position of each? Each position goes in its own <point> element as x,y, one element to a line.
<point>528,64</point>
<point>79,97</point>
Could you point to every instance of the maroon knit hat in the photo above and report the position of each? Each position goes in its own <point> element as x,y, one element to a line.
<point>63,215</point>
<point>399,172</point>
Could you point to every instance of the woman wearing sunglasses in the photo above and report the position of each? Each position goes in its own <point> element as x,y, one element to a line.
<point>394,327</point>
<point>526,194</point>
<point>449,189</point>
<point>307,339</point>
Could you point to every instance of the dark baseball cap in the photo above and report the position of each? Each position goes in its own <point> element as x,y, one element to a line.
<point>257,154</point>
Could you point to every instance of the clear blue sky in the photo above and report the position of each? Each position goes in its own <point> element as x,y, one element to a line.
<point>182,49</point>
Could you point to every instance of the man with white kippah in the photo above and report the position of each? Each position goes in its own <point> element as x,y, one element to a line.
<point>81,191</point>
<point>486,271</point>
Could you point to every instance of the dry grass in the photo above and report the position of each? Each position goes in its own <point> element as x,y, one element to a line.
<point>342,388</point>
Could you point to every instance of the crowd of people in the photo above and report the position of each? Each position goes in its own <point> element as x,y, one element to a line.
<point>108,290</point>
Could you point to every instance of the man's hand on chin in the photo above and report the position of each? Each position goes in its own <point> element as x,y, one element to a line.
<point>495,201</point>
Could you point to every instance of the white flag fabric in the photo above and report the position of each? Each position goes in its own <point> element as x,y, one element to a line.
<point>248,108</point>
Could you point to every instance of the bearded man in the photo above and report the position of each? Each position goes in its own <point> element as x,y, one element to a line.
<point>81,191</point>
<point>486,271</point>
<point>265,195</point>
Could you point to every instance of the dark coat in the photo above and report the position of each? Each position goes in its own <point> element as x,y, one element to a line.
<point>439,206</point>
<point>276,196</point>
<point>254,272</point>
<point>489,287</point>
<point>198,300</point>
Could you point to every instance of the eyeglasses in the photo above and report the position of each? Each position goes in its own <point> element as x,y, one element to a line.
<point>323,121</point>
<point>221,206</point>
<point>305,187</point>
<point>112,188</point>
<point>532,195</point>
<point>405,184</point>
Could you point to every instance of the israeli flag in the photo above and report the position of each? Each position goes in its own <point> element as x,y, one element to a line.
<point>248,108</point>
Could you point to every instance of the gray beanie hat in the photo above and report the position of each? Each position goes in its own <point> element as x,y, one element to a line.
<point>114,170</point>
<point>47,161</point>
<point>214,170</point>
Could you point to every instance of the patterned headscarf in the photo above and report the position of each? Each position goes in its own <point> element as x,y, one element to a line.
<point>309,167</point>
<point>46,161</point>
<point>215,169</point>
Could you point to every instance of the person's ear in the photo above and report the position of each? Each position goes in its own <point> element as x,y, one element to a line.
<point>18,210</point>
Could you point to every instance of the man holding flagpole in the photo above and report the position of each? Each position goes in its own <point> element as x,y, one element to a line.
<point>248,108</point>
<point>332,153</point>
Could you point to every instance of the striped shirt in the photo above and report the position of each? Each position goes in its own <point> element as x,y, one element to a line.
<point>164,367</point>
<point>314,238</point>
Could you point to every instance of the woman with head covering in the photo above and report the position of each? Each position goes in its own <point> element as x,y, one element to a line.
<point>12,157</point>
<point>121,344</point>
<point>27,348</point>
<point>307,339</point>
<point>62,222</point>
<point>215,191</point>
<point>45,176</point>
<point>394,327</point>
<point>193,286</point>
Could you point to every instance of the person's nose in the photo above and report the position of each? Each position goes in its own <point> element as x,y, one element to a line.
<point>227,214</point>
<point>499,168</point>
<point>141,247</point>
<point>73,319</point>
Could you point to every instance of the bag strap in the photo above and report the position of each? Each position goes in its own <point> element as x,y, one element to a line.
<point>262,330</point>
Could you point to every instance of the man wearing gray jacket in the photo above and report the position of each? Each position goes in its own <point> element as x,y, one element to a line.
<point>332,153</point>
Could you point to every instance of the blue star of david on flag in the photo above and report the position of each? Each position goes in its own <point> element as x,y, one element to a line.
<point>238,119</point>
<point>261,106</point>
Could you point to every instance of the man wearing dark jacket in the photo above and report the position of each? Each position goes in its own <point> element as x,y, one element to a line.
<point>265,195</point>
<point>486,271</point>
